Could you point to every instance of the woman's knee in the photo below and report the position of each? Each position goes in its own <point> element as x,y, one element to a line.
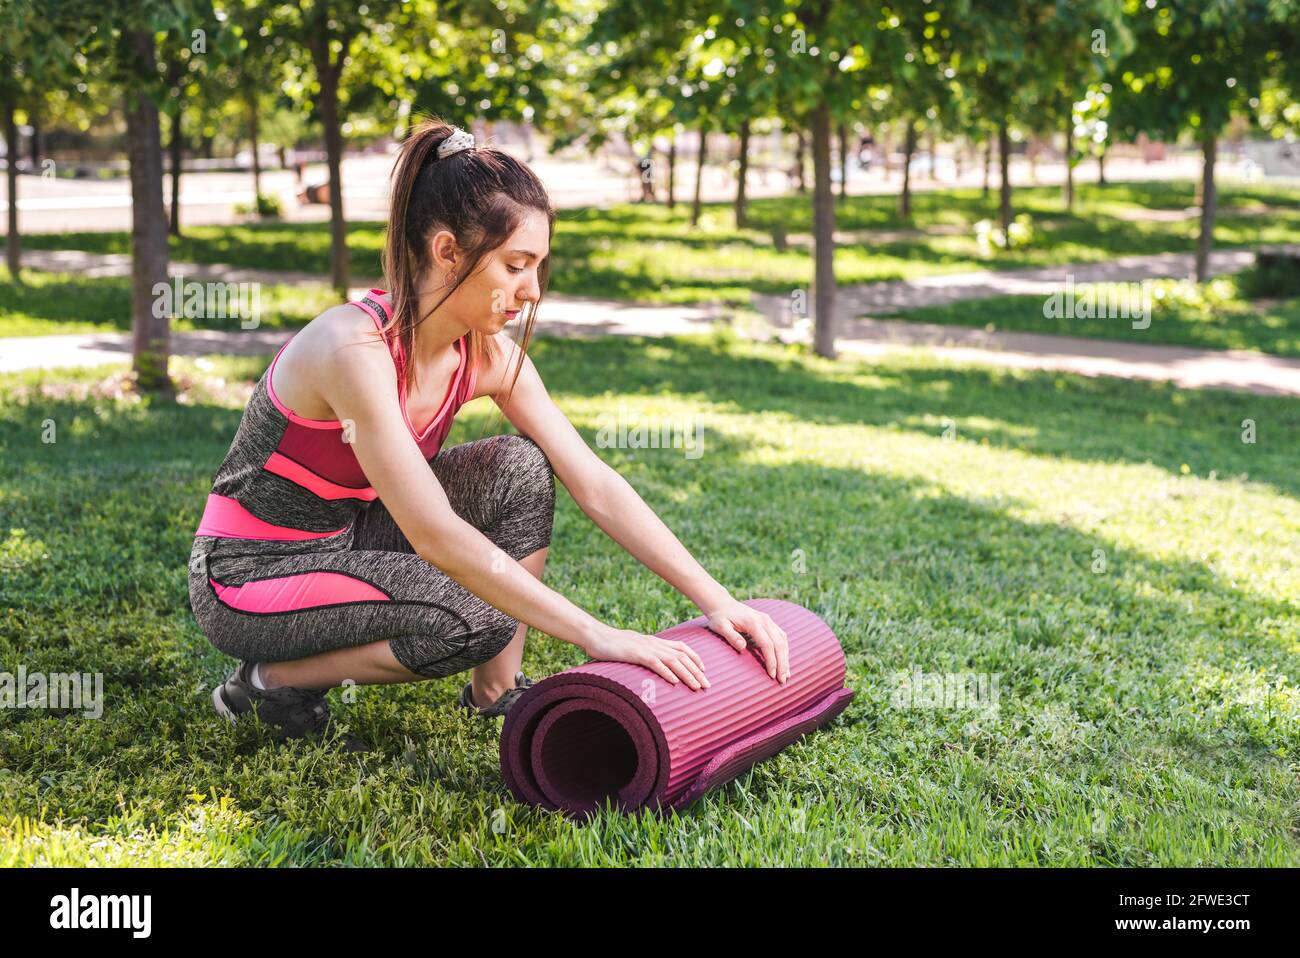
<point>531,506</point>
<point>435,656</point>
<point>532,465</point>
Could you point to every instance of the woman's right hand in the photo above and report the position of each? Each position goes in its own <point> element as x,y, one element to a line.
<point>675,661</point>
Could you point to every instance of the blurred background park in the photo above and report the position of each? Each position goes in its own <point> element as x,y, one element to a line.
<point>991,313</point>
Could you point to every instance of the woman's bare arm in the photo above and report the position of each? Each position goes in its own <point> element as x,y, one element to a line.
<point>359,382</point>
<point>611,502</point>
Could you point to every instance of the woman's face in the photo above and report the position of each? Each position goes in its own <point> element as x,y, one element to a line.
<point>505,280</point>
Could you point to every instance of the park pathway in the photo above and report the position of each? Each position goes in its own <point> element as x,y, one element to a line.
<point>576,316</point>
<point>1185,366</point>
<point>895,296</point>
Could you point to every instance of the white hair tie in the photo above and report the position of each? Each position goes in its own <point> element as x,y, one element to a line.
<point>459,140</point>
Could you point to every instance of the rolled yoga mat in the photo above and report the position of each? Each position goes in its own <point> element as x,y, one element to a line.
<point>620,731</point>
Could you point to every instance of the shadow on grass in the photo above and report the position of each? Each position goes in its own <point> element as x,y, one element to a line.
<point>106,303</point>
<point>302,246</point>
<point>1070,417</point>
<point>906,573</point>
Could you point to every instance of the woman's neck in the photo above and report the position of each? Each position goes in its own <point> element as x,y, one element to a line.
<point>436,333</point>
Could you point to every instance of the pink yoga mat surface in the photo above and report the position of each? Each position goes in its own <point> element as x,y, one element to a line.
<point>617,731</point>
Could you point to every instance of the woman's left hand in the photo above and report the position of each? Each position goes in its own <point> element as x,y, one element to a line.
<point>733,618</point>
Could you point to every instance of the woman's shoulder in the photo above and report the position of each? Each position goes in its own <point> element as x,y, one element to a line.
<point>342,332</point>
<point>340,325</point>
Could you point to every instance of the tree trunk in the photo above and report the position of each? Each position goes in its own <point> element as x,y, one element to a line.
<point>741,201</point>
<point>1069,163</point>
<point>909,147</point>
<point>174,227</point>
<point>671,199</point>
<point>799,148</point>
<point>327,73</point>
<point>698,203</point>
<point>1004,162</point>
<point>1209,205</point>
<point>988,163</point>
<point>151,335</point>
<point>931,174</point>
<point>1101,165</point>
<point>37,144</point>
<point>257,159</point>
<point>13,248</point>
<point>823,233</point>
<point>844,160</point>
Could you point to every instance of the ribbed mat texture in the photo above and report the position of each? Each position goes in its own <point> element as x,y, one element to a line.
<point>618,731</point>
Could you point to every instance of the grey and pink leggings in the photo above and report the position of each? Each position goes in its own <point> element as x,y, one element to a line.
<point>268,601</point>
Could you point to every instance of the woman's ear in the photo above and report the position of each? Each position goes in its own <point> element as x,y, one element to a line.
<point>444,251</point>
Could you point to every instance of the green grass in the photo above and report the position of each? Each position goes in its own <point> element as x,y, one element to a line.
<point>48,303</point>
<point>648,254</point>
<point>1134,586</point>
<point>1215,315</point>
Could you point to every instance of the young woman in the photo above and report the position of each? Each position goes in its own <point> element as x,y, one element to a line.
<point>341,544</point>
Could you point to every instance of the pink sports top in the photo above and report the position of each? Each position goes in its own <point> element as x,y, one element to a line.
<point>287,478</point>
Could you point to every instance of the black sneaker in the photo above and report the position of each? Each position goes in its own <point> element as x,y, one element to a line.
<point>287,712</point>
<point>508,698</point>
